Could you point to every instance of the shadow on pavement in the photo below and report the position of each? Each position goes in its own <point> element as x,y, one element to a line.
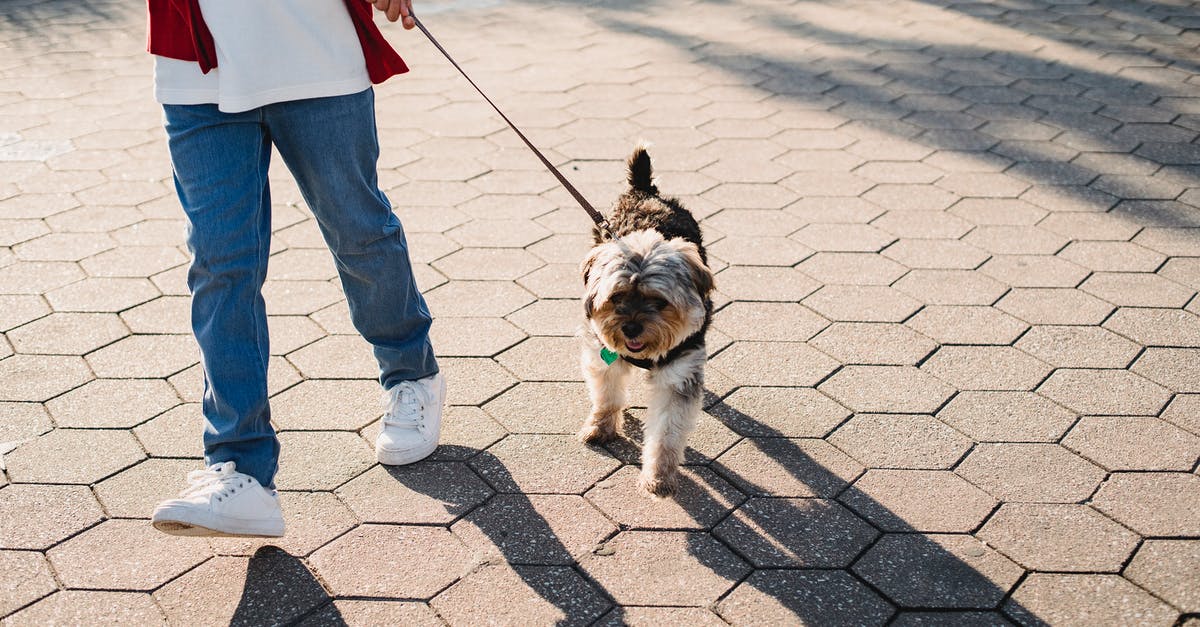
<point>280,589</point>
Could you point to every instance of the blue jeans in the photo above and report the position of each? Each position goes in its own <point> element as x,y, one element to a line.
<point>220,162</point>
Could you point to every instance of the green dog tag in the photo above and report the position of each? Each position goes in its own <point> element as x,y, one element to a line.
<point>608,356</point>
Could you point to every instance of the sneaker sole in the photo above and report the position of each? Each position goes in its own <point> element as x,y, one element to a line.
<point>170,524</point>
<point>401,458</point>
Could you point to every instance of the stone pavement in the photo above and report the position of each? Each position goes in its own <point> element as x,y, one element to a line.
<point>954,374</point>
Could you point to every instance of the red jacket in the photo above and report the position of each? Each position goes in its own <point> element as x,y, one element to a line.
<point>177,30</point>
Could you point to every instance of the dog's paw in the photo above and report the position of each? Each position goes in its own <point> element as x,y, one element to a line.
<point>595,434</point>
<point>660,486</point>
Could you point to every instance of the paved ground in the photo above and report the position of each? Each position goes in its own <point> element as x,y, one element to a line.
<point>955,368</point>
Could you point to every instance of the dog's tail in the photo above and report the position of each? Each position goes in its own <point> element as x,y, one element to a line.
<point>641,175</point>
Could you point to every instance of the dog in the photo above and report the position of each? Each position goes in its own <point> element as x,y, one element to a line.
<point>647,305</point>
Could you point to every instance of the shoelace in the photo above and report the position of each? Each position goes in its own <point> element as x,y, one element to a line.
<point>404,407</point>
<point>220,480</point>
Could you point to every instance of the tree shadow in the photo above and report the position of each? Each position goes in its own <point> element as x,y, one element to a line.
<point>50,19</point>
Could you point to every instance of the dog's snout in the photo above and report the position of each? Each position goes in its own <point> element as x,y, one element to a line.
<point>631,329</point>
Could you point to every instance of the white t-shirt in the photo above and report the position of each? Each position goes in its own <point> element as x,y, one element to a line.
<point>268,51</point>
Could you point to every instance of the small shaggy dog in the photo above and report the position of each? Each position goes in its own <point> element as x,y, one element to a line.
<point>647,306</point>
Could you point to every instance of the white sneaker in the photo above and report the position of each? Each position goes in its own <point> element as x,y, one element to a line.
<point>221,502</point>
<point>412,420</point>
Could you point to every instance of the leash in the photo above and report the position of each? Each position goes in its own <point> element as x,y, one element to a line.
<point>596,216</point>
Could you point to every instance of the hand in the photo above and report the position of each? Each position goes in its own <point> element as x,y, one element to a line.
<point>396,9</point>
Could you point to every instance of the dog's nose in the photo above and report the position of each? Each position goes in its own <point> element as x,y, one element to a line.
<point>631,329</point>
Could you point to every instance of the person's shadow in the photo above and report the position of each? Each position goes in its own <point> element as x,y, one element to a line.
<point>280,590</point>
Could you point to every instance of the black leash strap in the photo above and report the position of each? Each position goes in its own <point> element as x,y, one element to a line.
<point>596,216</point>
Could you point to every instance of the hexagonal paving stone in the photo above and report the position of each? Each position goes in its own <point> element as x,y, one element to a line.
<point>1156,327</point>
<point>1133,443</point>
<point>867,343</point>
<point>313,519</point>
<point>56,512</point>
<point>113,403</point>
<point>1184,411</point>
<point>789,468</point>
<point>1015,240</point>
<point>67,333</point>
<point>1034,271</point>
<point>38,277</point>
<point>1065,538</point>
<point>759,251</point>
<point>1152,503</point>
<point>27,579</point>
<point>1137,289</point>
<point>145,356</point>
<point>1169,569</point>
<point>645,616</point>
<point>769,322</point>
<point>1054,306</point>
<point>664,568</point>
<point>380,612</point>
<point>554,280</point>
<point>534,529</point>
<point>951,287</point>
<point>533,407</point>
<point>73,456</point>
<point>843,237</point>
<point>521,595</point>
<point>967,325</point>
<point>703,500</point>
<point>918,500</point>
<point>473,337</point>
<point>886,389</point>
<point>1078,347</point>
<point>1085,600</point>
<point>175,433</point>
<point>81,607</point>
<point>549,317</point>
<point>900,441</point>
<point>475,380</point>
<point>1174,368</point>
<point>392,561</point>
<point>862,303</point>
<point>40,377</point>
<point>935,254</point>
<point>795,533</point>
<point>488,264</point>
<point>271,587</point>
<point>546,464</point>
<point>1007,417</point>
<point>543,359</point>
<point>125,554</point>
<point>21,308</point>
<point>321,460</point>
<point>1035,473</point>
<point>760,283</point>
<point>777,363</point>
<point>1111,392</point>
<point>773,412</point>
<point>134,492</point>
<point>102,294</point>
<point>336,357</point>
<point>986,368</point>
<point>327,404</point>
<point>819,597</point>
<point>938,570</point>
<point>429,493</point>
<point>1112,256</point>
<point>848,269</point>
<point>478,298</point>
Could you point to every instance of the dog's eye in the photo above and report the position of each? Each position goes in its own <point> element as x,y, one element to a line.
<point>658,304</point>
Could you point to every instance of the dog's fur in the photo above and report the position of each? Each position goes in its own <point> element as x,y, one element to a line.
<point>647,299</point>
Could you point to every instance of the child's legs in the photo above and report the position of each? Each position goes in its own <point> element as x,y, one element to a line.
<point>220,162</point>
<point>331,147</point>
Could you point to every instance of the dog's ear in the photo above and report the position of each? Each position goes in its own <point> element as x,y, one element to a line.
<point>702,277</point>
<point>585,268</point>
